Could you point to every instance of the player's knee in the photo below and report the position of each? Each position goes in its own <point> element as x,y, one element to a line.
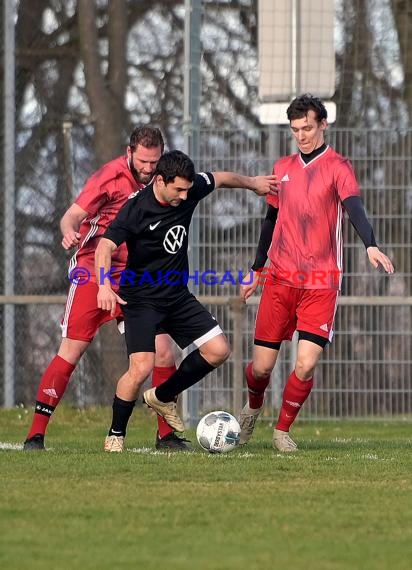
<point>138,372</point>
<point>261,372</point>
<point>216,351</point>
<point>304,369</point>
<point>164,358</point>
<point>224,350</point>
<point>225,353</point>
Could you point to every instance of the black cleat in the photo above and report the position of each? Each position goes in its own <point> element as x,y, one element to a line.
<point>172,442</point>
<point>35,443</point>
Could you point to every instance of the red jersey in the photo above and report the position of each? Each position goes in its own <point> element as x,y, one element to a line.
<point>102,197</point>
<point>307,249</point>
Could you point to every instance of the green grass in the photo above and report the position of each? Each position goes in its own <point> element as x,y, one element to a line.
<point>344,501</point>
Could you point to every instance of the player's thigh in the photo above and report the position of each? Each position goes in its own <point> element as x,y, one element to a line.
<point>82,317</point>
<point>188,321</point>
<point>276,315</point>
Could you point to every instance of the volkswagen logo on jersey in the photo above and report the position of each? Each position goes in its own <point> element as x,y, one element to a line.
<point>174,239</point>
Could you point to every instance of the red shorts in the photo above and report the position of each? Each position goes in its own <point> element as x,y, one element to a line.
<point>283,309</point>
<point>82,318</point>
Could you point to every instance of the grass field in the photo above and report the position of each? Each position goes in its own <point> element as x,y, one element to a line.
<point>344,501</point>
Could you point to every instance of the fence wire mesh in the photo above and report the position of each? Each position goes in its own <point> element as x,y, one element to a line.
<point>365,372</point>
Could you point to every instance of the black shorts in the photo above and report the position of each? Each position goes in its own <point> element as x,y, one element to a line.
<point>186,321</point>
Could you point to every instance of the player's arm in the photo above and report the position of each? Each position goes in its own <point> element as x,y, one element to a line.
<point>357,215</point>
<point>106,297</point>
<point>265,239</point>
<point>70,224</point>
<point>260,185</point>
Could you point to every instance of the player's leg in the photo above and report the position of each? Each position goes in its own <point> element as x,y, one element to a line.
<point>140,367</point>
<point>193,368</point>
<point>274,323</point>
<point>80,322</point>
<point>163,369</point>
<point>257,374</point>
<point>315,315</point>
<point>297,389</point>
<point>188,323</point>
<point>52,387</point>
<point>140,343</point>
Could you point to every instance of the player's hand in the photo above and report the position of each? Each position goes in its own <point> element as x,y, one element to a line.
<point>266,185</point>
<point>248,289</point>
<point>70,239</point>
<point>107,299</point>
<point>376,257</point>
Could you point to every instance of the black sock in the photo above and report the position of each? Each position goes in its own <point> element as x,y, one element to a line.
<point>192,369</point>
<point>122,410</point>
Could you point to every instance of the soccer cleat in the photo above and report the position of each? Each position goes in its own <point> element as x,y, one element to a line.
<point>114,443</point>
<point>171,442</point>
<point>247,422</point>
<point>283,442</point>
<point>165,409</point>
<point>35,443</point>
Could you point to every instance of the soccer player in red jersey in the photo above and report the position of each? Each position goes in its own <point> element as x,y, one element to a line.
<point>82,226</point>
<point>302,237</point>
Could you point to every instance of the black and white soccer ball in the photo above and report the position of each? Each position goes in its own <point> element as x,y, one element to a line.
<point>218,432</point>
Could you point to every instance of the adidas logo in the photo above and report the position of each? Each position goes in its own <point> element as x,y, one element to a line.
<point>285,178</point>
<point>51,392</point>
<point>324,327</point>
<point>293,404</point>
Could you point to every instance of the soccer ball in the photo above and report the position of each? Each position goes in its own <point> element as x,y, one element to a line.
<point>218,432</point>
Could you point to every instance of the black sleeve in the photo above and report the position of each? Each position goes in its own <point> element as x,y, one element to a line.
<point>265,238</point>
<point>357,215</point>
<point>203,184</point>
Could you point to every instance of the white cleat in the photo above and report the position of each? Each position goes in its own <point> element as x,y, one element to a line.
<point>167,410</point>
<point>114,443</point>
<point>283,442</point>
<point>247,421</point>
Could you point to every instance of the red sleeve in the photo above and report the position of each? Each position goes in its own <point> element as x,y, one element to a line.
<point>94,194</point>
<point>273,200</point>
<point>345,180</point>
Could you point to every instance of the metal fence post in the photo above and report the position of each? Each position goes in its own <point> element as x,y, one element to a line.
<point>237,309</point>
<point>9,201</point>
<point>191,128</point>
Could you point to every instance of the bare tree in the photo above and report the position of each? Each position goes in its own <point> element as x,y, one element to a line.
<point>106,66</point>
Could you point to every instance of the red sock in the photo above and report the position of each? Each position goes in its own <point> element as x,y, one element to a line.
<point>53,385</point>
<point>294,395</point>
<point>161,374</point>
<point>256,388</point>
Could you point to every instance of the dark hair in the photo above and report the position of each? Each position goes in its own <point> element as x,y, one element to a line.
<point>300,107</point>
<point>146,136</point>
<point>175,163</point>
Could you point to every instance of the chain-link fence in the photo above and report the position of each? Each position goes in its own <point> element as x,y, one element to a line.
<point>58,107</point>
<point>367,369</point>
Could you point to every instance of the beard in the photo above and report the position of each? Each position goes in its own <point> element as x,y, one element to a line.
<point>139,176</point>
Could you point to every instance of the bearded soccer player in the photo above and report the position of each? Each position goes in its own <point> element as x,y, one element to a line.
<point>302,237</point>
<point>82,226</point>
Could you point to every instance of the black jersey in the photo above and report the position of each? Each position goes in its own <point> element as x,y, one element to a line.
<point>156,236</point>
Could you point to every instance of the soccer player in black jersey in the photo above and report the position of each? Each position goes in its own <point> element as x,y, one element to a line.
<point>153,289</point>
